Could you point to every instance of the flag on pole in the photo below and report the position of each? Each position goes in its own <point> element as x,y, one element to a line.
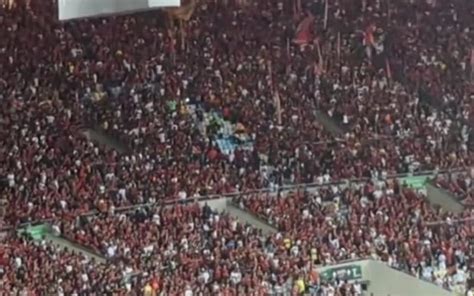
<point>184,12</point>
<point>288,52</point>
<point>317,71</point>
<point>326,11</point>
<point>304,32</point>
<point>172,45</point>
<point>275,94</point>
<point>472,64</point>
<point>389,11</point>
<point>320,57</point>
<point>369,40</point>
<point>388,71</point>
<point>277,102</point>
<point>295,10</point>
<point>338,49</point>
<point>182,34</point>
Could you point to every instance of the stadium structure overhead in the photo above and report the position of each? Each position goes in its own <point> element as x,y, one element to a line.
<point>74,9</point>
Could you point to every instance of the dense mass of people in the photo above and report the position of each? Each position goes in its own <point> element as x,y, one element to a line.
<point>136,79</point>
<point>184,250</point>
<point>190,248</point>
<point>38,268</point>
<point>379,221</point>
<point>396,76</point>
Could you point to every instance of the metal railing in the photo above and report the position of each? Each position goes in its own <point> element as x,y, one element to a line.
<point>280,189</point>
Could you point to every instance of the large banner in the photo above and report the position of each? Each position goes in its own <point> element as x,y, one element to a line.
<point>72,9</point>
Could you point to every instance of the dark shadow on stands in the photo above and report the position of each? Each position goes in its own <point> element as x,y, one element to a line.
<point>100,136</point>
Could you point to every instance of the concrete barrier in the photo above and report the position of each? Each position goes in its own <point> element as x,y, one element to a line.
<point>386,281</point>
<point>443,198</point>
<point>226,205</point>
<point>98,136</point>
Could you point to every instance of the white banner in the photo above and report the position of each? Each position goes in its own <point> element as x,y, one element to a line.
<point>72,9</point>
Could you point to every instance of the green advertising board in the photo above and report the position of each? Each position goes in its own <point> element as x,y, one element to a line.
<point>417,182</point>
<point>348,272</point>
<point>37,232</point>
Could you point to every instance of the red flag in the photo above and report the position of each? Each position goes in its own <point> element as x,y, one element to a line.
<point>277,102</point>
<point>388,70</point>
<point>304,32</point>
<point>369,39</point>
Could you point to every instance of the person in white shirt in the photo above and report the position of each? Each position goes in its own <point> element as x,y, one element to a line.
<point>460,276</point>
<point>204,276</point>
<point>357,289</point>
<point>188,291</point>
<point>331,291</point>
<point>427,273</point>
<point>235,277</point>
<point>111,251</point>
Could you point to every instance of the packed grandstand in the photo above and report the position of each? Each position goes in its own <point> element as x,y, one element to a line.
<point>118,134</point>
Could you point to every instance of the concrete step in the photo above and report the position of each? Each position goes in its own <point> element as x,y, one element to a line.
<point>443,198</point>
<point>330,124</point>
<point>101,137</point>
<point>246,217</point>
<point>226,205</point>
<point>64,243</point>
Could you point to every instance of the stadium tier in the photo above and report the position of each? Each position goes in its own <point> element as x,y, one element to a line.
<point>237,147</point>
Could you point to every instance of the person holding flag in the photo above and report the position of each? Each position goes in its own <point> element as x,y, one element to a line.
<point>369,40</point>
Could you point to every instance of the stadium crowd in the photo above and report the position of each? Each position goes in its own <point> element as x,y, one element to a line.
<point>29,268</point>
<point>369,67</point>
<point>138,86</point>
<point>379,221</point>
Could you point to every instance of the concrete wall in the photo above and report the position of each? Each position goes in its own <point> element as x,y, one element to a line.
<point>330,124</point>
<point>98,136</point>
<point>386,281</point>
<point>225,204</point>
<point>443,198</point>
<point>63,243</point>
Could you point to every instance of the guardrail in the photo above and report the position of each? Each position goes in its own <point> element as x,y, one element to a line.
<point>284,188</point>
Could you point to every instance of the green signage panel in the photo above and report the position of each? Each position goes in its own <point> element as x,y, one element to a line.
<point>37,232</point>
<point>348,272</point>
<point>417,182</point>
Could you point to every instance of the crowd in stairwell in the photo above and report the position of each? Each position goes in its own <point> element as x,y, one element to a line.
<point>395,75</point>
